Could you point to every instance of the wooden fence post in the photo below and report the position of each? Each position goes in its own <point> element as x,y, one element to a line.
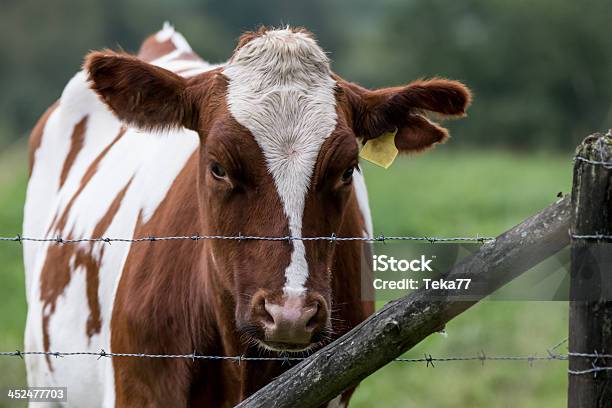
<point>590,314</point>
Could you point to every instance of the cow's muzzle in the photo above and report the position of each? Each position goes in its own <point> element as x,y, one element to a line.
<point>292,323</point>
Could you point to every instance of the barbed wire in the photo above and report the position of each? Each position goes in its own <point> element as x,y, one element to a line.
<point>332,238</point>
<point>593,370</point>
<point>603,163</point>
<point>194,356</point>
<point>428,359</point>
<point>592,237</point>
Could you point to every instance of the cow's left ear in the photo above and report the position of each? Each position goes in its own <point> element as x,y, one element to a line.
<point>407,109</point>
<point>139,93</point>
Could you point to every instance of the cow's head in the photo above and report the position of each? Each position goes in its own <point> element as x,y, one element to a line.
<point>280,136</point>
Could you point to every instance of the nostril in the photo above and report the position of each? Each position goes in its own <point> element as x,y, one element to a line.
<point>313,321</point>
<point>267,317</point>
<point>264,312</point>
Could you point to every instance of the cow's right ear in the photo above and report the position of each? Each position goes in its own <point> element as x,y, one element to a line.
<point>406,111</point>
<point>139,93</point>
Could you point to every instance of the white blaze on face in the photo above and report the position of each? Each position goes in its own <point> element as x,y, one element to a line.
<point>280,89</point>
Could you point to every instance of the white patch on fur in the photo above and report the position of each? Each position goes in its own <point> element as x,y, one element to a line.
<point>280,88</point>
<point>152,161</point>
<point>169,33</point>
<point>174,61</point>
<point>362,200</point>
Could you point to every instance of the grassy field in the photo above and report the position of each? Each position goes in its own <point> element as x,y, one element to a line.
<point>442,193</point>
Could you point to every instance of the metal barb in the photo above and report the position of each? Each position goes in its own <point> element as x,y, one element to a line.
<point>559,344</point>
<point>483,357</point>
<point>332,239</point>
<point>429,361</point>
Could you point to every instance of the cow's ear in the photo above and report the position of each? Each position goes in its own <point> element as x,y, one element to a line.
<point>407,109</point>
<point>139,93</point>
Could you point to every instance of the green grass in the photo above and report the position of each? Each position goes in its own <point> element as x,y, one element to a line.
<point>441,193</point>
<point>13,178</point>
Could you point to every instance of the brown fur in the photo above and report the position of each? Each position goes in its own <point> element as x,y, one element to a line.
<point>133,89</point>
<point>94,322</point>
<point>37,133</point>
<point>76,144</point>
<point>151,49</point>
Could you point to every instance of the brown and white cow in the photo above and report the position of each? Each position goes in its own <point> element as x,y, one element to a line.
<point>163,143</point>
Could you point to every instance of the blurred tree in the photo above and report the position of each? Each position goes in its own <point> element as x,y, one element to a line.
<point>540,70</point>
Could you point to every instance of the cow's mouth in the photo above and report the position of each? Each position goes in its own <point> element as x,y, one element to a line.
<point>254,335</point>
<point>317,341</point>
<point>281,347</point>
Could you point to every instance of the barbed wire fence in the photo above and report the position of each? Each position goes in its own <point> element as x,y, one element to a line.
<point>428,359</point>
<point>331,238</point>
<point>597,360</point>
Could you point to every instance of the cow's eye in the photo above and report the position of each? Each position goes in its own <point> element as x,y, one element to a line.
<point>347,176</point>
<point>217,170</point>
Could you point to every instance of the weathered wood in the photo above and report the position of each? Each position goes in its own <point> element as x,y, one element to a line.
<point>403,323</point>
<point>590,319</point>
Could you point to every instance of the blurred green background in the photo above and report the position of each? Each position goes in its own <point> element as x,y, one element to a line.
<point>540,73</point>
<point>539,69</point>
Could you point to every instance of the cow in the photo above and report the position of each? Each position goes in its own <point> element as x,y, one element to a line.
<point>163,143</point>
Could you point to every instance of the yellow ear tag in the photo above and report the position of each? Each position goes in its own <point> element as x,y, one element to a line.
<point>380,151</point>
